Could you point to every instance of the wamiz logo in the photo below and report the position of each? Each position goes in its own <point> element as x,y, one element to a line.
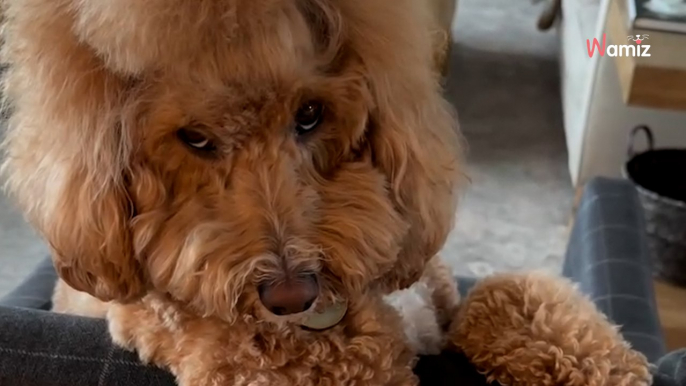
<point>639,49</point>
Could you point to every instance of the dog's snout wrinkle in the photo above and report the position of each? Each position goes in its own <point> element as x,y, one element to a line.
<point>290,296</point>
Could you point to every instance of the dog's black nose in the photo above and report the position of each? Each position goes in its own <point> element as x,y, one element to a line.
<point>290,296</point>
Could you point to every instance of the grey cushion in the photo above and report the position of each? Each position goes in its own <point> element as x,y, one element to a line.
<point>39,348</point>
<point>671,369</point>
<point>608,256</point>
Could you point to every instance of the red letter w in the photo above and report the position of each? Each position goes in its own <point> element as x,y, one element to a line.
<point>596,44</point>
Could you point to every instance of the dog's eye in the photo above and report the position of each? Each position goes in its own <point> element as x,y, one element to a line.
<point>308,117</point>
<point>196,139</point>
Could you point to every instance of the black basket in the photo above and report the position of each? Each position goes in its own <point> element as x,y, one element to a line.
<point>660,178</point>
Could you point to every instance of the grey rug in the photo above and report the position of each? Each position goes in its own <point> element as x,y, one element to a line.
<point>504,82</point>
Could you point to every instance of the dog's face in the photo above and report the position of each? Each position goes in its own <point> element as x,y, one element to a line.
<point>242,157</point>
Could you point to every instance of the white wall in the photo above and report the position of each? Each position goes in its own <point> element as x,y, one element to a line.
<point>610,120</point>
<point>581,21</point>
<point>597,121</point>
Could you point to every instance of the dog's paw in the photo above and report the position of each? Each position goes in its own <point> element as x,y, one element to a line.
<point>419,318</point>
<point>538,329</point>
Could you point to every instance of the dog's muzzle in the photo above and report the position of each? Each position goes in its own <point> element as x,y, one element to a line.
<point>290,296</point>
<point>297,295</point>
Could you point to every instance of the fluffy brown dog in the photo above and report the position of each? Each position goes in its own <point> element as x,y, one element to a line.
<point>228,171</point>
<point>239,183</point>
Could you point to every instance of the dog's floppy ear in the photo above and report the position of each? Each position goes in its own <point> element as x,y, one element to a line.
<point>90,239</point>
<point>414,143</point>
<point>413,129</point>
<point>66,150</point>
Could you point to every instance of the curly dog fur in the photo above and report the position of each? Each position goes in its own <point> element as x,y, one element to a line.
<point>107,102</point>
<point>535,329</point>
<point>158,147</point>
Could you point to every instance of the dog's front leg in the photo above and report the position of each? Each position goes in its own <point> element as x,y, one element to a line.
<point>538,330</point>
<point>190,348</point>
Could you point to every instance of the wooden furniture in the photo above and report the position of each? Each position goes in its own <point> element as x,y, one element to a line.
<point>658,81</point>
<point>605,97</point>
<point>671,306</point>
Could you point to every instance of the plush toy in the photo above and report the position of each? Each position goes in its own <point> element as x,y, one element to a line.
<point>516,329</point>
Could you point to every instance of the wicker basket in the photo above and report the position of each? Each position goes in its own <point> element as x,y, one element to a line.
<point>660,178</point>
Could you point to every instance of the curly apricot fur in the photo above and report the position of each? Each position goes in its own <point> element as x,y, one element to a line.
<point>536,329</point>
<point>96,92</point>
